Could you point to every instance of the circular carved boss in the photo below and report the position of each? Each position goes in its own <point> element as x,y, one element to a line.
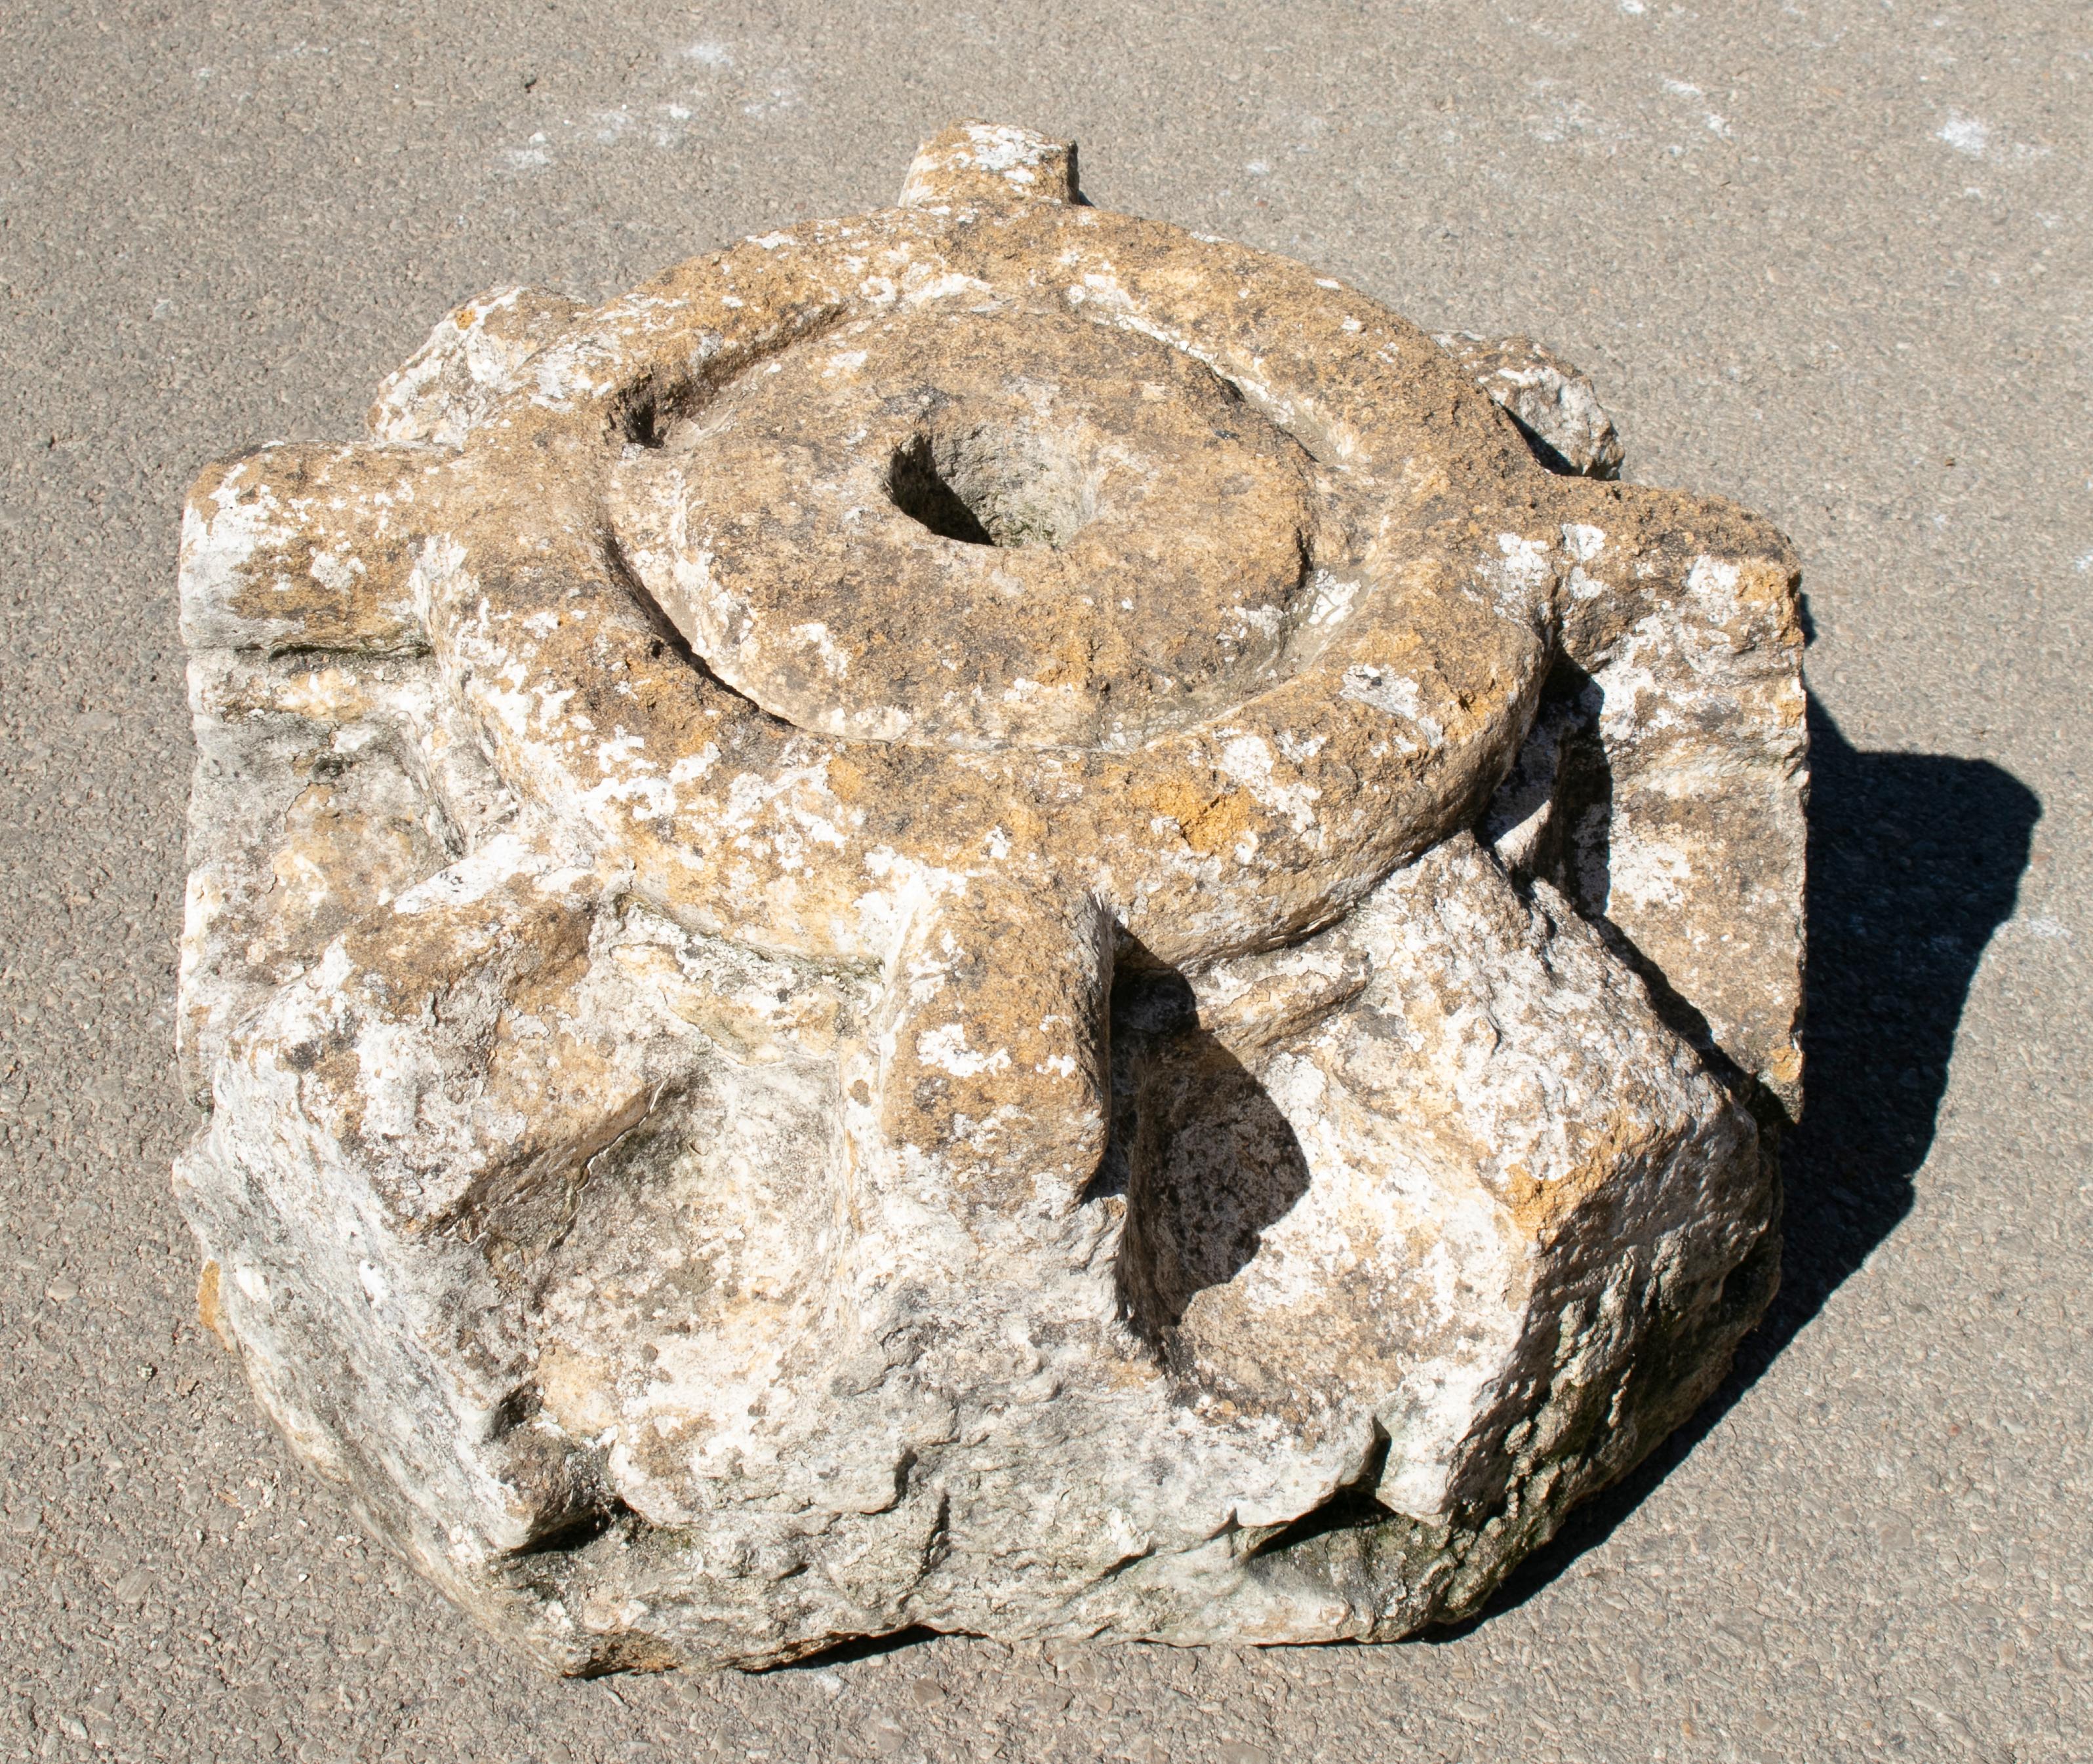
<point>997,538</point>
<point>968,582</point>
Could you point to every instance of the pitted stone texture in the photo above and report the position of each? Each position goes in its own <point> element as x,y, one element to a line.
<point>987,917</point>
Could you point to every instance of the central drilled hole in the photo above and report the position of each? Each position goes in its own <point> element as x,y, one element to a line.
<point>991,486</point>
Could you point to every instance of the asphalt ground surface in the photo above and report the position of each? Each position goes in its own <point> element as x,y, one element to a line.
<point>1830,259</point>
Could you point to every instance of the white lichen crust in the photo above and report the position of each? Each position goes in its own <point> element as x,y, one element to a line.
<point>987,917</point>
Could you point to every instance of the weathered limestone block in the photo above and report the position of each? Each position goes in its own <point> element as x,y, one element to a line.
<point>987,917</point>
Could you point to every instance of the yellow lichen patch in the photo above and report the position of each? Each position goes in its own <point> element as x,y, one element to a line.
<point>1607,1152</point>
<point>845,780</point>
<point>208,1311</point>
<point>1210,822</point>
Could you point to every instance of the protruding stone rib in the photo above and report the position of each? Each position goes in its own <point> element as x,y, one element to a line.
<point>990,164</point>
<point>1682,773</point>
<point>302,546</point>
<point>1556,407</point>
<point>994,1083</point>
<point>474,358</point>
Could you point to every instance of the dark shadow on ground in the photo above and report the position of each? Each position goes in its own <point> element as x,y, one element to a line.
<point>857,1647</point>
<point>1915,859</point>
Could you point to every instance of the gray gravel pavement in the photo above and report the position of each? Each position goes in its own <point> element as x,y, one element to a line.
<point>1830,259</point>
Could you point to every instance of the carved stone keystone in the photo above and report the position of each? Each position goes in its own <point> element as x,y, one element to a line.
<point>990,917</point>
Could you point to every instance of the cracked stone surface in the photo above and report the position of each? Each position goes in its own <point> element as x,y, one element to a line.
<point>989,917</point>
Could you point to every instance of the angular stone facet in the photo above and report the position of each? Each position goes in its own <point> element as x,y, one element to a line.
<point>987,917</point>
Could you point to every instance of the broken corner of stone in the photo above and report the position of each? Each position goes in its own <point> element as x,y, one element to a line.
<point>988,917</point>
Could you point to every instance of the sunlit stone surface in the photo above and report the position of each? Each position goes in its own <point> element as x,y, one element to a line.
<point>988,917</point>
